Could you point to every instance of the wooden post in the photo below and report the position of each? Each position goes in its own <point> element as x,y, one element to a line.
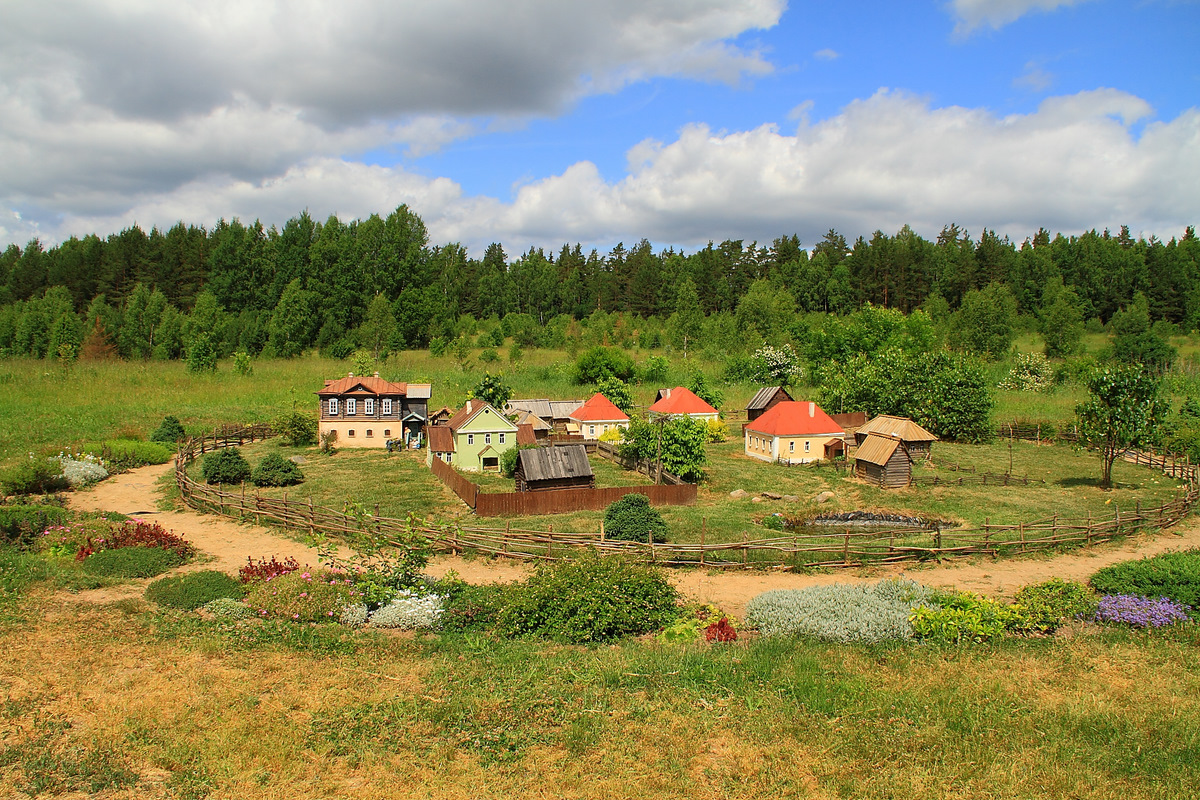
<point>242,510</point>
<point>1089,529</point>
<point>504,544</point>
<point>1021,530</point>
<point>312,517</point>
<point>286,515</point>
<point>745,550</point>
<point>602,530</point>
<point>650,542</point>
<point>550,543</point>
<point>846,547</point>
<point>703,527</point>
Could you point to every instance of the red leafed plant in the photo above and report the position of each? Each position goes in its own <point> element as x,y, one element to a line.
<point>136,533</point>
<point>720,631</point>
<point>264,570</point>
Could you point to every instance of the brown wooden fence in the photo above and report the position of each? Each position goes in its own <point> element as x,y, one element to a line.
<point>984,479</point>
<point>832,548</point>
<point>467,492</point>
<point>564,501</point>
<point>649,468</point>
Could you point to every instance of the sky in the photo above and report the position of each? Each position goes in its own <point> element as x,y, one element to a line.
<point>538,122</point>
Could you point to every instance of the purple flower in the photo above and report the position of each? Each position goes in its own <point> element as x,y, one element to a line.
<point>1140,612</point>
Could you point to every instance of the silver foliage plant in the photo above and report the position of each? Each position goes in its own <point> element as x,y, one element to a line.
<point>354,615</point>
<point>409,611</point>
<point>82,470</point>
<point>840,612</point>
<point>228,608</point>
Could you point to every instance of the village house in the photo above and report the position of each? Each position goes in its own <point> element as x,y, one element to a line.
<point>681,402</point>
<point>544,468</point>
<point>883,461</point>
<point>555,412</point>
<point>793,432</point>
<point>918,442</point>
<point>540,428</point>
<point>598,416</point>
<point>368,411</point>
<point>764,400</point>
<point>474,438</point>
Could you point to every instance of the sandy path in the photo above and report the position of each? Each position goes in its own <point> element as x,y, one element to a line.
<point>228,544</point>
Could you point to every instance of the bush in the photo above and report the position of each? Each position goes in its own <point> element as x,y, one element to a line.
<point>129,453</point>
<point>136,533</point>
<point>194,589</point>
<point>225,466</point>
<point>275,470</point>
<point>1140,612</point>
<point>840,612</point>
<point>696,621</point>
<point>603,362</point>
<point>33,476</point>
<point>354,615</point>
<point>716,431</point>
<point>296,429</point>
<point>631,518</point>
<point>1044,606</point>
<point>488,355</point>
<point>228,608</point>
<point>592,598</point>
<point>83,471</point>
<point>132,562</point>
<point>508,462</point>
<point>169,432</point>
<point>304,596</point>
<point>262,569</point>
<point>468,607</point>
<point>1175,576</point>
<point>409,611</point>
<point>22,524</point>
<point>1031,373</point>
<point>963,617</point>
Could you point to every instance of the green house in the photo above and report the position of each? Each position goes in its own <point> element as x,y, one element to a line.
<point>473,439</point>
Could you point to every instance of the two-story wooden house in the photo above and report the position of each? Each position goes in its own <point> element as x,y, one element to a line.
<point>368,411</point>
<point>475,438</point>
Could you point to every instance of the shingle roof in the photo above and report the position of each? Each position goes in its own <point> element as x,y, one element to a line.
<point>539,407</point>
<point>532,420</point>
<point>599,408</point>
<point>681,400</point>
<point>763,396</point>
<point>795,418</point>
<point>441,438</point>
<point>369,385</point>
<point>901,428</point>
<point>561,409</point>
<point>876,449</point>
<point>550,463</point>
<point>473,408</point>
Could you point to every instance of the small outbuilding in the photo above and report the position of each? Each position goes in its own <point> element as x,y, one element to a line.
<point>917,441</point>
<point>541,429</point>
<point>544,468</point>
<point>764,400</point>
<point>883,461</point>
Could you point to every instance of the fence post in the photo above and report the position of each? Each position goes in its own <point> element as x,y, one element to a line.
<point>745,550</point>
<point>846,547</point>
<point>550,543</point>
<point>504,544</point>
<point>312,518</point>
<point>650,542</point>
<point>286,515</point>
<point>703,527</point>
<point>1089,529</point>
<point>1021,530</point>
<point>602,530</point>
<point>242,510</point>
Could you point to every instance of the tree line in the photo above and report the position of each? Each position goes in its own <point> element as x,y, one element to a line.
<point>378,283</point>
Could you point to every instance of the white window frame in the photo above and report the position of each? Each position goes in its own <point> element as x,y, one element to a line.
<point>387,405</point>
<point>591,430</point>
<point>791,447</point>
<point>449,458</point>
<point>487,438</point>
<point>470,438</point>
<point>369,406</point>
<point>502,438</point>
<point>806,444</point>
<point>351,406</point>
<point>333,406</point>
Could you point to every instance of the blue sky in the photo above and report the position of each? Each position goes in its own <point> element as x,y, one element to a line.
<point>543,122</point>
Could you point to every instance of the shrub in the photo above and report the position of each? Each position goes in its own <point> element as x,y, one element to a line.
<point>296,429</point>
<point>225,466</point>
<point>839,612</point>
<point>317,596</point>
<point>194,589</point>
<point>1140,612</point>
<point>33,476</point>
<point>329,442</point>
<point>354,615</point>
<point>1044,606</point>
<point>603,362</point>
<point>488,355</point>
<point>131,562</point>
<point>409,611</point>
<point>83,471</point>
<point>136,533</point>
<point>469,607</point>
<point>715,431</point>
<point>1031,373</point>
<point>1175,576</point>
<point>508,462</point>
<point>262,569</point>
<point>693,623</point>
<point>21,524</point>
<point>963,617</point>
<point>275,470</point>
<point>242,364</point>
<point>720,631</point>
<point>228,608</point>
<point>129,453</point>
<point>169,432</point>
<point>631,518</point>
<point>592,598</point>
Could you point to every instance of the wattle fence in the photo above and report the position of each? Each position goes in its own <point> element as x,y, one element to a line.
<point>839,547</point>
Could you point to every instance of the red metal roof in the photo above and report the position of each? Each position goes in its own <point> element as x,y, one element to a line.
<point>372,385</point>
<point>795,418</point>
<point>525,435</point>
<point>599,409</point>
<point>682,400</point>
<point>441,438</point>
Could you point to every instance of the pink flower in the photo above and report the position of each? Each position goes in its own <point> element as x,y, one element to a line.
<point>295,616</point>
<point>306,575</point>
<point>304,594</point>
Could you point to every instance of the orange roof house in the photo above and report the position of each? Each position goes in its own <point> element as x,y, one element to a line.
<point>793,432</point>
<point>597,416</point>
<point>682,402</point>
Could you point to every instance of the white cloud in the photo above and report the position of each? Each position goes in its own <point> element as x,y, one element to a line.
<point>973,14</point>
<point>883,162</point>
<point>826,54</point>
<point>1034,78</point>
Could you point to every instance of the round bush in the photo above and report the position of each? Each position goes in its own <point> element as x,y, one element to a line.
<point>354,615</point>
<point>225,466</point>
<point>631,518</point>
<point>228,608</point>
<point>193,590</point>
<point>839,612</point>
<point>275,470</point>
<point>592,598</point>
<point>132,562</point>
<point>170,431</point>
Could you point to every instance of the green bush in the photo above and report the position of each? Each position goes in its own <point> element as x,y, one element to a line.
<point>33,476</point>
<point>22,524</point>
<point>296,428</point>
<point>1175,576</point>
<point>1046,605</point>
<point>225,466</point>
<point>132,562</point>
<point>603,362</point>
<point>470,607</point>
<point>228,608</point>
<point>592,598</point>
<point>169,432</point>
<point>194,589</point>
<point>508,462</point>
<point>963,617</point>
<point>275,470</point>
<point>130,453</point>
<point>304,596</point>
<point>631,518</point>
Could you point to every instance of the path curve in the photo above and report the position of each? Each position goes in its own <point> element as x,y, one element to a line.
<point>228,544</point>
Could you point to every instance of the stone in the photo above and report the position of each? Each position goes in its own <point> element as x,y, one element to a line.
<point>298,459</point>
<point>772,495</point>
<point>738,494</point>
<point>823,497</point>
<point>755,499</point>
<point>791,498</point>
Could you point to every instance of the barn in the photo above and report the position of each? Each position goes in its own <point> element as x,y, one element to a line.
<point>764,400</point>
<point>883,461</point>
<point>564,467</point>
<point>917,441</point>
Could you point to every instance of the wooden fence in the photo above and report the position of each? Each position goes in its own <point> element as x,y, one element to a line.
<point>824,548</point>
<point>646,467</point>
<point>984,479</point>
<point>467,492</point>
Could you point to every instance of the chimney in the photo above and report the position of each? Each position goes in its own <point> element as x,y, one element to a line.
<point>376,374</point>
<point>812,409</point>
<point>349,374</point>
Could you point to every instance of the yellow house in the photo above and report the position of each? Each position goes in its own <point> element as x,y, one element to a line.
<point>793,432</point>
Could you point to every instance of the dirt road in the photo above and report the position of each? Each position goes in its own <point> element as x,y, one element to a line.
<point>228,544</point>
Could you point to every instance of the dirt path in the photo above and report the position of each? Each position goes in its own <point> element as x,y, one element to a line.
<point>228,544</point>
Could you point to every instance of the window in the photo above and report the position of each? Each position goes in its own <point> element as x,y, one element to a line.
<point>333,406</point>
<point>387,405</point>
<point>351,406</point>
<point>449,457</point>
<point>591,430</point>
<point>791,447</point>
<point>487,438</point>
<point>806,447</point>
<point>350,433</point>
<point>387,431</point>
<point>502,438</point>
<point>369,406</point>
<point>470,438</point>
<point>370,433</point>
